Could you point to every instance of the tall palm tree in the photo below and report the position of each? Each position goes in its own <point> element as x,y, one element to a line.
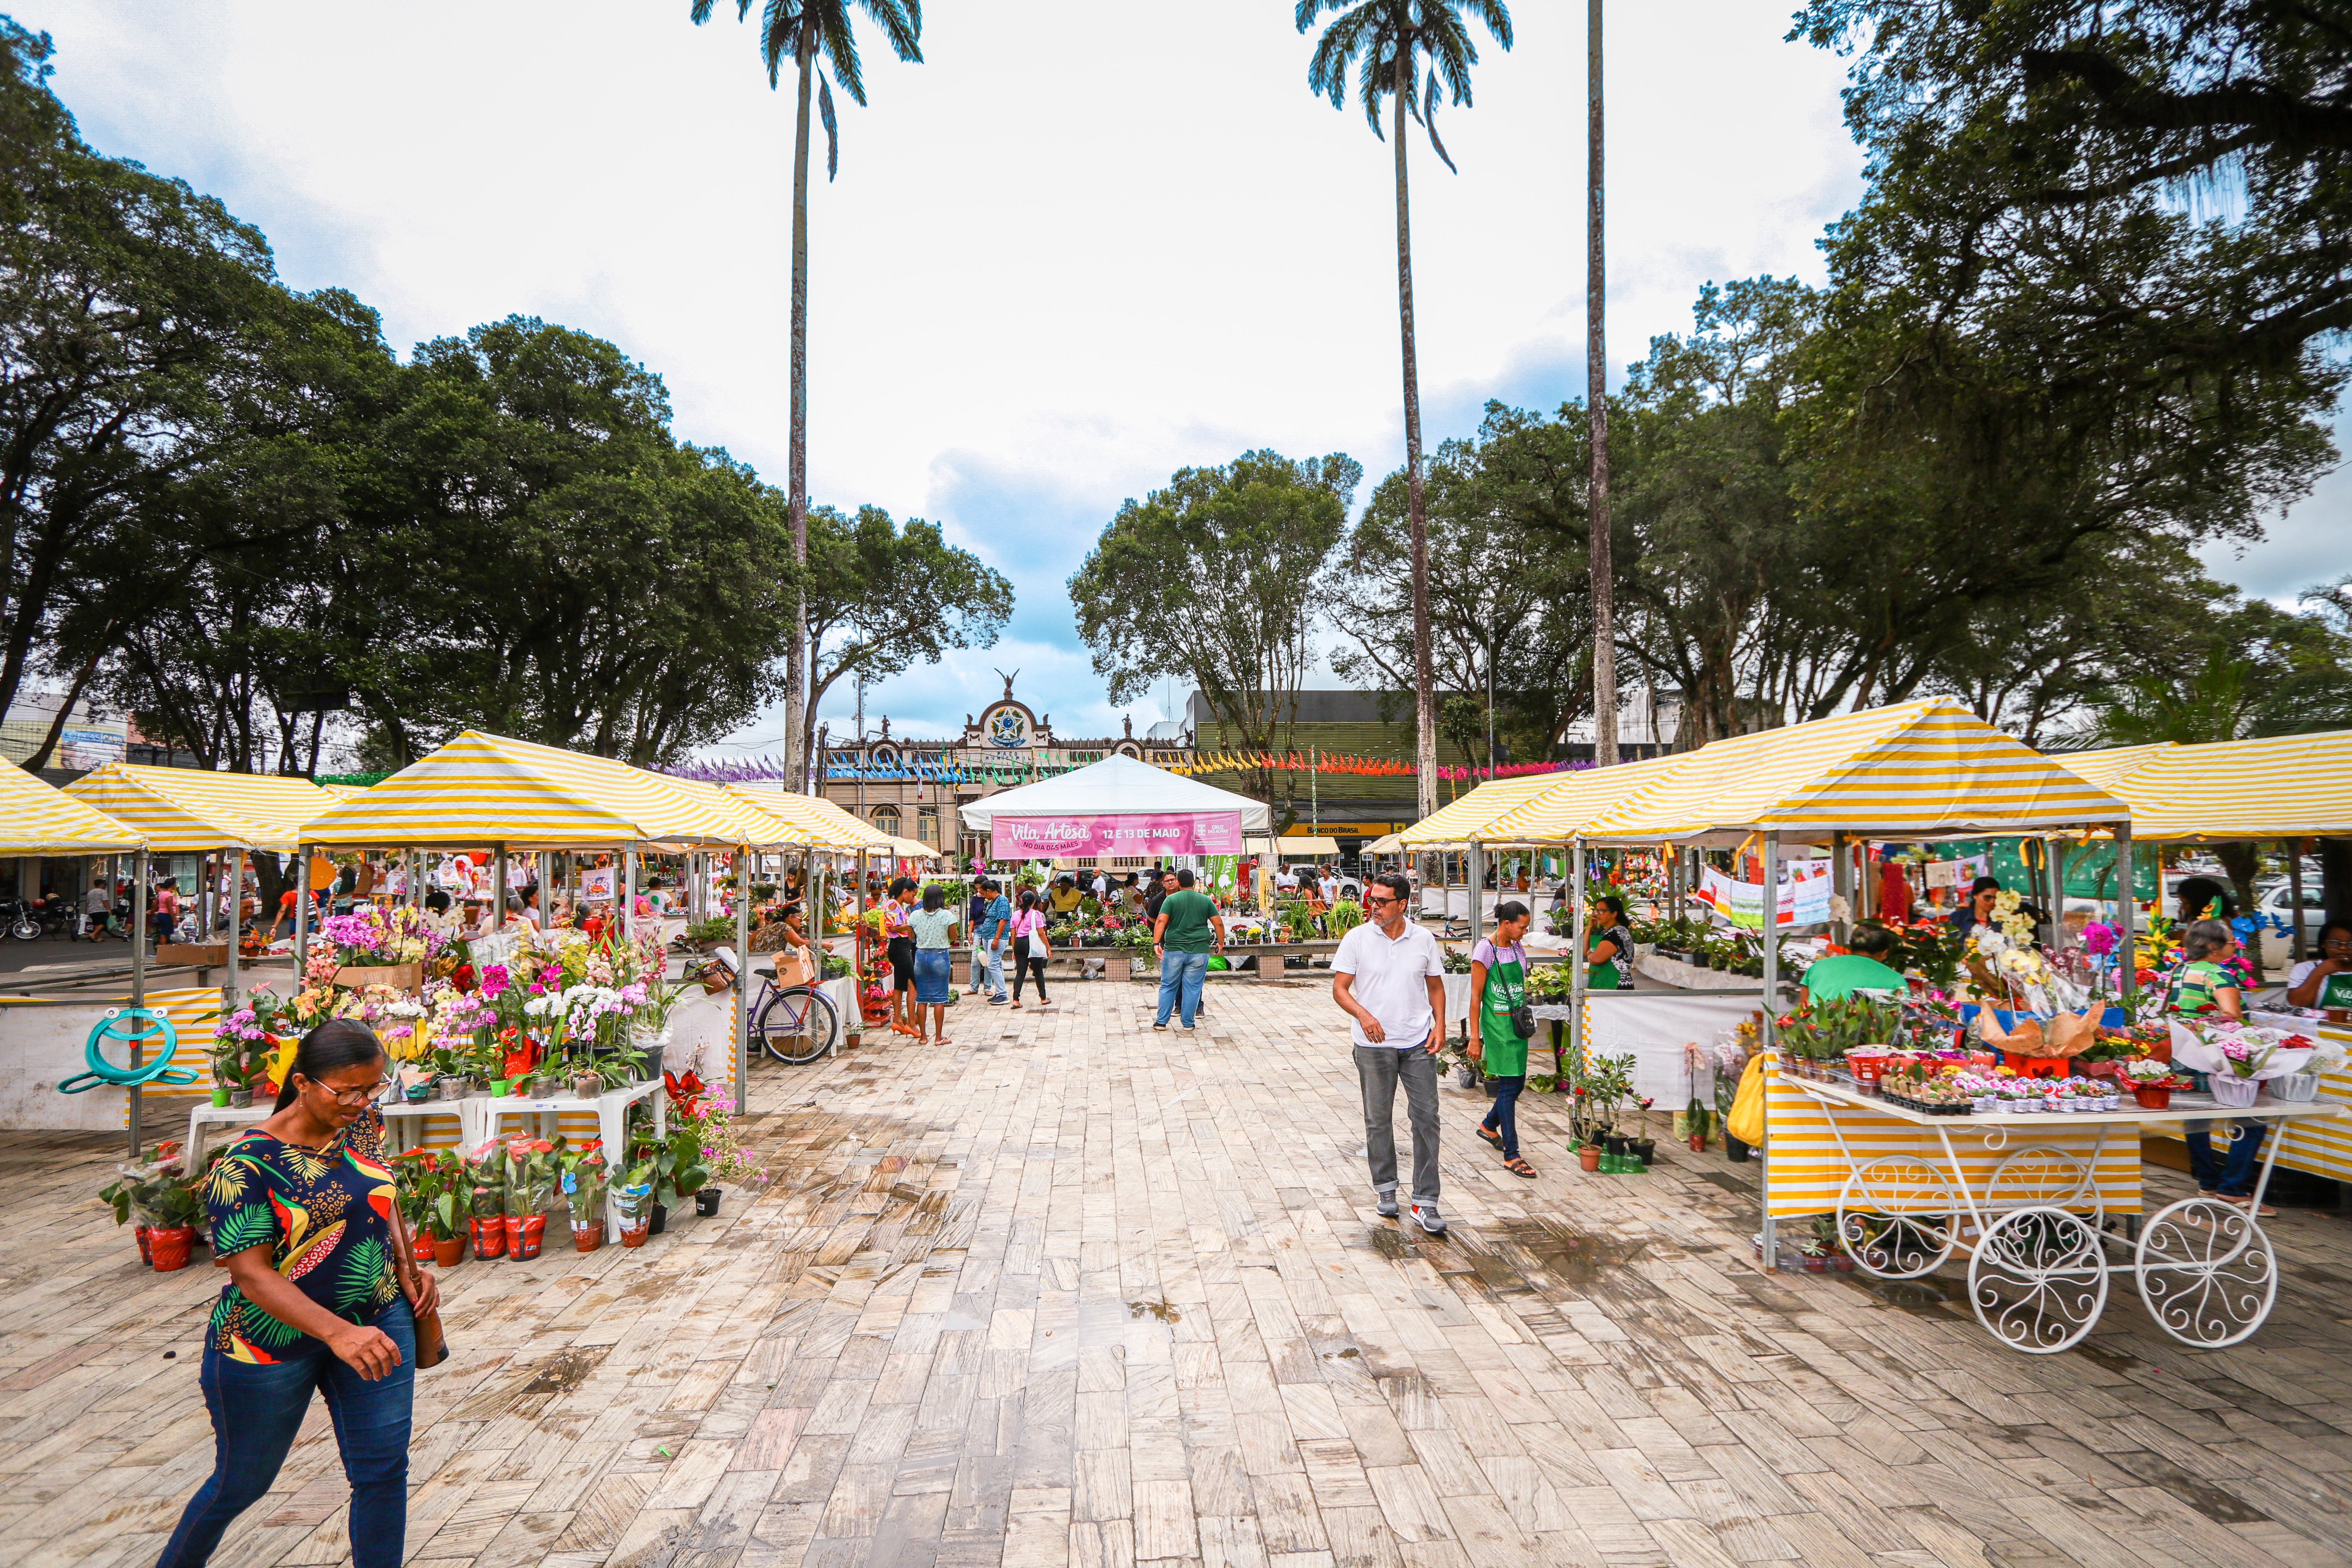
<point>1385,41</point>
<point>803,30</point>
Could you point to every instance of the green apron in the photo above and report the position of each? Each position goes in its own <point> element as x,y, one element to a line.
<point>1602,977</point>
<point>1504,1053</point>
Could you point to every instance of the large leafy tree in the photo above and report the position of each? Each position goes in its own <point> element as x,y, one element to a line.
<point>805,32</point>
<point>1212,580</point>
<point>881,598</point>
<point>1509,603</point>
<point>143,333</point>
<point>1384,42</point>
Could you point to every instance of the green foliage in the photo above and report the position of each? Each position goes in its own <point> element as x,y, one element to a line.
<point>1230,555</point>
<point>1385,42</point>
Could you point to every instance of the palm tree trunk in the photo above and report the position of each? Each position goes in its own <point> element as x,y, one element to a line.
<point>1596,399</point>
<point>1424,670</point>
<point>796,662</point>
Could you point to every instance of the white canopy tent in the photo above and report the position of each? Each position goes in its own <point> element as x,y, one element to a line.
<point>1116,786</point>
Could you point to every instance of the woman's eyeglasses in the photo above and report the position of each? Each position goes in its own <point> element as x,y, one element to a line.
<point>353,1096</point>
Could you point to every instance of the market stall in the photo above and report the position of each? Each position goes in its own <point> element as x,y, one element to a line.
<point>44,1040</point>
<point>1918,771</point>
<point>1118,807</point>
<point>2202,794</point>
<point>519,797</point>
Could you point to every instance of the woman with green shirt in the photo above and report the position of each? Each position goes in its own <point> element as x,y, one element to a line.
<point>2204,989</point>
<point>1499,983</point>
<point>1610,948</point>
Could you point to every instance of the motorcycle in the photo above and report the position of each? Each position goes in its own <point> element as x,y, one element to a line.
<point>18,919</point>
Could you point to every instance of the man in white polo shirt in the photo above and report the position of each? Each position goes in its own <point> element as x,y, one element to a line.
<point>1390,979</point>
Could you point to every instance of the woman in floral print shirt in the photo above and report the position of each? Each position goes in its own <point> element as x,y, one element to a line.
<point>301,1209</point>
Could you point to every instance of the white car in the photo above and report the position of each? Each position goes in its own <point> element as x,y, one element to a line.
<point>2275,906</point>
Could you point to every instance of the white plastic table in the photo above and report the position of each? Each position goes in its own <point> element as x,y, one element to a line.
<point>2039,1263</point>
<point>400,1118</point>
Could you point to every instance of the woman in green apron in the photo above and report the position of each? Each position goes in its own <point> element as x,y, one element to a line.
<point>1609,948</point>
<point>1499,983</point>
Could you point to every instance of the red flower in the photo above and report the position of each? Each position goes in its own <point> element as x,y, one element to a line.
<point>462,977</point>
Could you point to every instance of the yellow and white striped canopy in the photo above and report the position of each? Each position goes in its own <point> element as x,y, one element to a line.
<point>483,790</point>
<point>191,809</point>
<point>2105,770</point>
<point>1475,814</point>
<point>1924,769</point>
<point>908,849</point>
<point>37,818</point>
<point>830,827</point>
<point>1569,801</point>
<point>2281,786</point>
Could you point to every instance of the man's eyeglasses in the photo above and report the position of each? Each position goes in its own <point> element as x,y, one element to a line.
<point>1380,899</point>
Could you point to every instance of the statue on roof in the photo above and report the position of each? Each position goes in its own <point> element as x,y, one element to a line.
<point>1008,683</point>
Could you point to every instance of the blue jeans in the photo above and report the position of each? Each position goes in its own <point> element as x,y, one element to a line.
<point>1181,975</point>
<point>1503,1118</point>
<point>257,1410</point>
<point>996,968</point>
<point>2232,1173</point>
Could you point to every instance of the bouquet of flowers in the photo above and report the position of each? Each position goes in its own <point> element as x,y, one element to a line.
<point>533,1165</point>
<point>378,934</point>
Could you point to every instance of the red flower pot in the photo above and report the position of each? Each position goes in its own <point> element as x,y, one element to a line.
<point>524,1234</point>
<point>420,1247</point>
<point>146,1250</point>
<point>588,1238</point>
<point>1589,1156</point>
<point>170,1245</point>
<point>2152,1099</point>
<point>490,1237</point>
<point>450,1252</point>
<point>634,1234</point>
<point>1698,1142</point>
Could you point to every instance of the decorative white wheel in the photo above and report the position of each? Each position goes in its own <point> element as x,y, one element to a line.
<point>2040,1175</point>
<point>2039,1278</point>
<point>1895,1215</point>
<point>2207,1274</point>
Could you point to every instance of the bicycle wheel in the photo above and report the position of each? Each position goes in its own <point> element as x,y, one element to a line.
<point>798,1025</point>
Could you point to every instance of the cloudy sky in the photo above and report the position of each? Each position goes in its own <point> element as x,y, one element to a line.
<point>1084,245</point>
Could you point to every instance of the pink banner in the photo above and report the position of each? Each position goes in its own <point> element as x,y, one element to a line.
<point>1142,836</point>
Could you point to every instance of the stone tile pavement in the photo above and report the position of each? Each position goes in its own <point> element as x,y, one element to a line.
<point>1072,1294</point>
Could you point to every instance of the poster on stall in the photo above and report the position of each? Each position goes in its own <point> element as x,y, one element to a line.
<point>1805,896</point>
<point>596,884</point>
<point>1225,876</point>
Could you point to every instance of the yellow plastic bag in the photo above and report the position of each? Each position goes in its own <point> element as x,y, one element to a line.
<point>1746,1121</point>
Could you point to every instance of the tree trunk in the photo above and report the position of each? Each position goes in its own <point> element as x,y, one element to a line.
<point>2244,862</point>
<point>1596,399</point>
<point>1425,669</point>
<point>796,662</point>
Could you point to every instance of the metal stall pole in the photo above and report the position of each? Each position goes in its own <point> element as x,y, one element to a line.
<point>629,895</point>
<point>1841,884</point>
<point>742,1032</point>
<point>498,891</point>
<point>301,912</point>
<point>235,924</point>
<point>2126,952</point>
<point>1771,1259</point>
<point>1576,972</point>
<point>1477,874</point>
<point>2294,902</point>
<point>544,865</point>
<point>138,974</point>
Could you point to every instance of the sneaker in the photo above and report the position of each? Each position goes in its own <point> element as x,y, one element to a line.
<point>1428,1219</point>
<point>1385,1204</point>
<point>1158,1028</point>
<point>1190,1030</point>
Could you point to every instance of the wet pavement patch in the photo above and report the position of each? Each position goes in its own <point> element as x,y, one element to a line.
<point>1160,1310</point>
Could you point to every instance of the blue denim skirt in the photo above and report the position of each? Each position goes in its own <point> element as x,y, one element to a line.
<point>933,972</point>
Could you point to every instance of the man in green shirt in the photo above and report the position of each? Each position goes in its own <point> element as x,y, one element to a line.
<point>1181,935</point>
<point>1836,978</point>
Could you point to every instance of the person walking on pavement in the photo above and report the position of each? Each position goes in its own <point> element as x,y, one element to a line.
<point>1184,933</point>
<point>995,927</point>
<point>1498,986</point>
<point>1389,977</point>
<point>1030,949</point>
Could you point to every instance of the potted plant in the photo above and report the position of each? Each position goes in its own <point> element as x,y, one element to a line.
<point>2152,1083</point>
<point>634,1200</point>
<point>410,1190</point>
<point>486,1180</point>
<point>531,1168</point>
<point>447,1206</point>
<point>176,1208</point>
<point>137,1196</point>
<point>585,1178</point>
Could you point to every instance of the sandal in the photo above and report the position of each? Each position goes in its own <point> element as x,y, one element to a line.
<point>1490,1135</point>
<point>1518,1167</point>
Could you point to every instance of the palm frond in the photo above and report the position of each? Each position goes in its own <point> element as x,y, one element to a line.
<point>1496,14</point>
<point>1450,50</point>
<point>1429,123</point>
<point>840,48</point>
<point>832,130</point>
<point>902,22</point>
<point>1378,78</point>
